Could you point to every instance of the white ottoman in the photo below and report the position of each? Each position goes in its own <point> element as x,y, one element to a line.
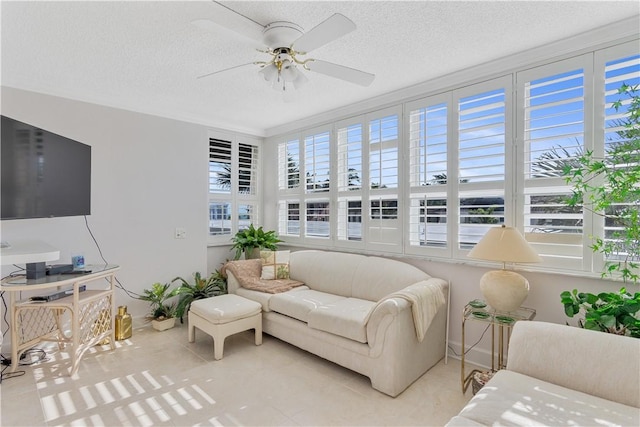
<point>222,316</point>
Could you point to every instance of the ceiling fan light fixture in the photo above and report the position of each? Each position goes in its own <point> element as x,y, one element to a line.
<point>269,72</point>
<point>300,81</point>
<point>289,71</point>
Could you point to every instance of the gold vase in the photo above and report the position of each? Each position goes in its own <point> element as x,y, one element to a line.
<point>124,328</point>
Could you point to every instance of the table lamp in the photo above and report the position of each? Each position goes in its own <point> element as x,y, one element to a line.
<point>504,290</point>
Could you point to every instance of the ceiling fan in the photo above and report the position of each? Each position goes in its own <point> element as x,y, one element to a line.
<point>287,45</point>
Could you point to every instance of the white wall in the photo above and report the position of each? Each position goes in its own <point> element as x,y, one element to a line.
<point>149,176</point>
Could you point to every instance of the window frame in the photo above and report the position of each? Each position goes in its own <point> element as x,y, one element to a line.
<point>511,189</point>
<point>234,198</point>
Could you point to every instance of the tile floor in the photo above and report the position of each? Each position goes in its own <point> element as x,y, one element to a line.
<point>160,379</point>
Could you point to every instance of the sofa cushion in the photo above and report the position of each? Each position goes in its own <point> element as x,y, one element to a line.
<point>275,265</point>
<point>346,318</point>
<point>330,272</point>
<point>514,399</point>
<point>298,304</point>
<point>263,297</point>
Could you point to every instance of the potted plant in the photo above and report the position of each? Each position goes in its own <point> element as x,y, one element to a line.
<point>202,287</point>
<point>610,312</point>
<point>162,313</point>
<point>611,186</point>
<point>252,240</point>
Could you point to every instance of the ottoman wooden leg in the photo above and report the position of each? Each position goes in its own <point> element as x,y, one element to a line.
<point>191,328</point>
<point>218,346</point>
<point>259,330</point>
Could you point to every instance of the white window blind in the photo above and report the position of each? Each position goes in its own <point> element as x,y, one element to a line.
<point>481,137</point>
<point>481,172</point>
<point>625,70</point>
<point>317,162</point>
<point>428,174</point>
<point>289,218</point>
<point>219,166</point>
<point>383,219</point>
<point>317,219</point>
<point>350,144</point>
<point>289,165</point>
<point>247,169</point>
<point>233,186</point>
<point>383,152</point>
<point>553,133</point>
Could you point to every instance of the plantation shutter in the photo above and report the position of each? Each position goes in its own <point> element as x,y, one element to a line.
<point>233,186</point>
<point>317,175</point>
<point>428,175</point>
<point>383,221</point>
<point>481,141</point>
<point>219,166</point>
<point>317,162</point>
<point>553,98</point>
<point>289,165</point>
<point>622,70</point>
<point>350,147</point>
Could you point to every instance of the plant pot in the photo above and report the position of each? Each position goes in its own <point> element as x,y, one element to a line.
<point>163,325</point>
<point>252,253</point>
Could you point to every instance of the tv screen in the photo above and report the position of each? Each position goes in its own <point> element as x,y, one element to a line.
<point>43,174</point>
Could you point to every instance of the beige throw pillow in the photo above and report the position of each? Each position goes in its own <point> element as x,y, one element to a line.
<point>275,265</point>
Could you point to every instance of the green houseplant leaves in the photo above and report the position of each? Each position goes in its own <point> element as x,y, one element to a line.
<point>611,187</point>
<point>251,238</point>
<point>607,312</point>
<point>202,287</point>
<point>158,297</point>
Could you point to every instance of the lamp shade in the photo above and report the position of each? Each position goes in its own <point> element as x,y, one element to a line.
<point>504,290</point>
<point>504,244</point>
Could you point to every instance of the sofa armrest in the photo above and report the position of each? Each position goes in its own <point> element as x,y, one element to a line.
<point>596,363</point>
<point>382,316</point>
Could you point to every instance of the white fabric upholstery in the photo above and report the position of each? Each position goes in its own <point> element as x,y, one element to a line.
<point>513,399</point>
<point>377,277</point>
<point>426,298</point>
<point>346,317</point>
<point>568,353</point>
<point>327,317</point>
<point>560,375</point>
<point>331,272</point>
<point>225,308</point>
<point>299,304</point>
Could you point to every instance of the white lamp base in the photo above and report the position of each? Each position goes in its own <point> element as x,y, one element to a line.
<point>504,290</point>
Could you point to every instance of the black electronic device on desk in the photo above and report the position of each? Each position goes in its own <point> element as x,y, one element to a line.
<point>58,268</point>
<point>65,269</point>
<point>57,295</point>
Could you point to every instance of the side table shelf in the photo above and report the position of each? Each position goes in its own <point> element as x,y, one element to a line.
<point>478,311</point>
<point>91,313</point>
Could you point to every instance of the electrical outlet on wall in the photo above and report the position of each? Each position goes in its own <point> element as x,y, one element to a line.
<point>181,233</point>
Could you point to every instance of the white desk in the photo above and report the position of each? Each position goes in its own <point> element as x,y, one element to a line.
<point>92,312</point>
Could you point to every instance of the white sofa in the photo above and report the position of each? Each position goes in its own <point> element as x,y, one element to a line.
<point>345,313</point>
<point>560,375</point>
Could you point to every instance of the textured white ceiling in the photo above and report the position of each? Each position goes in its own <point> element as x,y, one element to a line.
<point>145,55</point>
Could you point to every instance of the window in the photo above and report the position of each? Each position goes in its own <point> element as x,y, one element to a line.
<point>483,114</point>
<point>552,128</point>
<point>350,174</point>
<point>233,186</point>
<point>432,175</point>
<point>428,175</point>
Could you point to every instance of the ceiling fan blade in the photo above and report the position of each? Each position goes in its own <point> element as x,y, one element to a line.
<point>327,31</point>
<point>223,70</point>
<point>341,72</point>
<point>231,20</point>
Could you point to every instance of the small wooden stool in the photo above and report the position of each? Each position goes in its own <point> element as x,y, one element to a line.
<point>222,316</point>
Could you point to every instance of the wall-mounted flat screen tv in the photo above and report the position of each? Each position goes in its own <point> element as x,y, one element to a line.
<point>43,174</point>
